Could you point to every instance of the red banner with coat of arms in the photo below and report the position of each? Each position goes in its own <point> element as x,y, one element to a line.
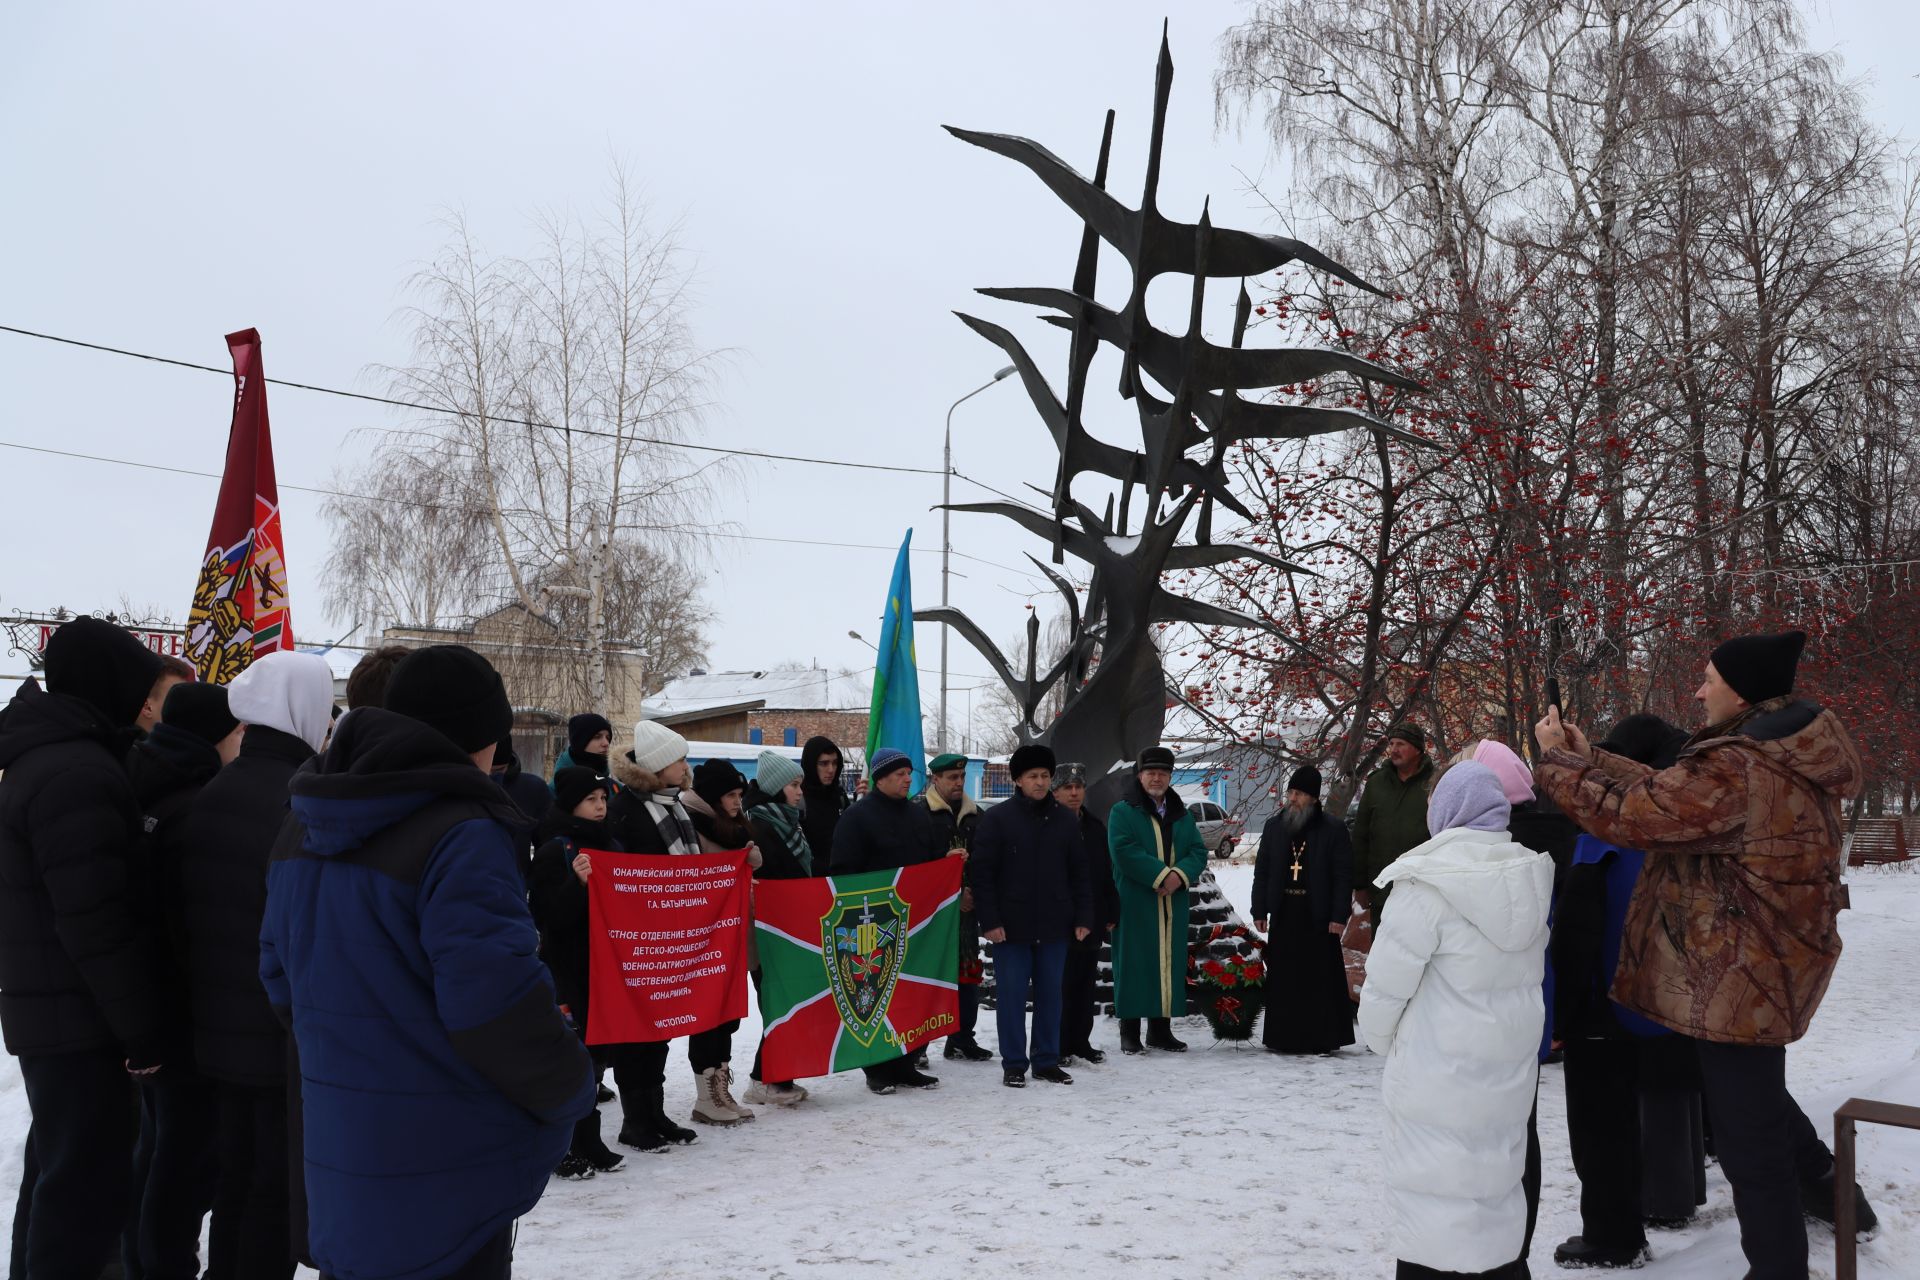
<point>240,606</point>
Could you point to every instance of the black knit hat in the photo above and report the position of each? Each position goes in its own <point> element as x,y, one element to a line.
<point>714,779</point>
<point>1306,778</point>
<point>582,728</point>
<point>455,690</point>
<point>572,785</point>
<point>1760,667</point>
<point>200,709</point>
<point>1032,756</point>
<point>1646,739</point>
<point>1154,758</point>
<point>102,665</point>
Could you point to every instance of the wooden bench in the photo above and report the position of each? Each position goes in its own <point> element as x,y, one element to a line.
<point>1852,1112</point>
<point>1877,841</point>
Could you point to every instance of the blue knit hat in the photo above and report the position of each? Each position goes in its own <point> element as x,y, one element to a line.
<point>885,761</point>
<point>774,773</point>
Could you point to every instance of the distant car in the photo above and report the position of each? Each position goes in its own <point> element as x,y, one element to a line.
<point>1218,831</point>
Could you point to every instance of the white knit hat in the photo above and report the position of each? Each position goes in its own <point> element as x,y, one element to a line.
<point>655,746</point>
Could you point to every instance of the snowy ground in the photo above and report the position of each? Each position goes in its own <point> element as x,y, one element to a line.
<point>1224,1160</point>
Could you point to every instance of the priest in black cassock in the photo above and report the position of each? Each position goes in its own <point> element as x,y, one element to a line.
<point>1302,895</point>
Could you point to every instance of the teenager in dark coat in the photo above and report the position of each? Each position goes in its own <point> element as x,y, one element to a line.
<point>557,895</point>
<point>173,1166</point>
<point>823,801</point>
<point>1080,982</point>
<point>955,818</point>
<point>884,832</point>
<point>1629,1132</point>
<point>531,796</point>
<point>285,700</point>
<point>77,993</point>
<point>440,1084</point>
<point>1032,896</point>
<point>773,815</point>
<point>1303,893</point>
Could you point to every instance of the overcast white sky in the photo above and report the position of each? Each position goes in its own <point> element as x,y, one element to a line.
<point>174,172</point>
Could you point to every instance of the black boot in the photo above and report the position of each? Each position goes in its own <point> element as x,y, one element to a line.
<point>964,1048</point>
<point>1130,1036</point>
<point>1577,1253</point>
<point>1160,1036</point>
<point>1816,1197</point>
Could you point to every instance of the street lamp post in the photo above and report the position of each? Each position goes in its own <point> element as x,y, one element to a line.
<point>946,545</point>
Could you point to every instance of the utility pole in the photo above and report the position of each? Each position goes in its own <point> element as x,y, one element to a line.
<point>946,548</point>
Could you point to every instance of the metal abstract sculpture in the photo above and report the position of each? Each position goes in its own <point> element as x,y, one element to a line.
<point>1116,687</point>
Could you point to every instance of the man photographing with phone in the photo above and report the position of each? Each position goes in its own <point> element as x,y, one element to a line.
<point>1731,935</point>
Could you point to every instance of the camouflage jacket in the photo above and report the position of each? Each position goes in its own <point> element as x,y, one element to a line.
<point>1732,932</point>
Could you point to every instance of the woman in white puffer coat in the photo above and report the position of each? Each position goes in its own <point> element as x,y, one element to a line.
<point>1452,999</point>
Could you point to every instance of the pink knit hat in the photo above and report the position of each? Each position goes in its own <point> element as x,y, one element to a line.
<point>1516,780</point>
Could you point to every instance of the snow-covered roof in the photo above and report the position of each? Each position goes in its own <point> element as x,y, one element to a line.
<point>777,689</point>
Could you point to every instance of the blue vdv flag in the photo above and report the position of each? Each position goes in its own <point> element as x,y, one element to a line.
<point>894,720</point>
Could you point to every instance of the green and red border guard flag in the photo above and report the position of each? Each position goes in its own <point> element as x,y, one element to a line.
<point>856,970</point>
<point>240,608</point>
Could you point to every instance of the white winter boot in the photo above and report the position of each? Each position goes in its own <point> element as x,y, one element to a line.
<point>710,1099</point>
<point>775,1095</point>
<point>726,1093</point>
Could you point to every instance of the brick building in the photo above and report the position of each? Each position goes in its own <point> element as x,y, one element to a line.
<point>783,706</point>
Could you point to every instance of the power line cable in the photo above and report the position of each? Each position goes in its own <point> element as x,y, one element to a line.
<point>761,454</point>
<point>411,502</point>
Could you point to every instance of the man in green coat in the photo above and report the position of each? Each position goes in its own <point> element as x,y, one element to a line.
<point>1157,856</point>
<point>1392,815</point>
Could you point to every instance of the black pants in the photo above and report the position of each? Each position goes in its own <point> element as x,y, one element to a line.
<point>892,1071</point>
<point>1673,1156</point>
<point>1530,1178</point>
<point>75,1189</point>
<point>713,1047</point>
<point>969,1009</point>
<point>493,1262</point>
<point>640,1076</point>
<point>1767,1148</point>
<point>175,1179</point>
<point>252,1228</point>
<point>1078,987</point>
<point>1603,1130</point>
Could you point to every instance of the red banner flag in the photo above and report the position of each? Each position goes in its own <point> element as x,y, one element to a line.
<point>667,945</point>
<point>240,601</point>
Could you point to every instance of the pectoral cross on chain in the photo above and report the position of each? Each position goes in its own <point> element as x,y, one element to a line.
<point>1299,852</point>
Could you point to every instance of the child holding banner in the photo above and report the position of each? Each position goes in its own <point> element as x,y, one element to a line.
<point>715,807</point>
<point>557,893</point>
<point>775,820</point>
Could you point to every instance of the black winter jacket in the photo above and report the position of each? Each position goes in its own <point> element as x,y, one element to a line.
<point>76,966</point>
<point>533,798</point>
<point>1029,867</point>
<point>168,770</point>
<point>229,834</point>
<point>1327,868</point>
<point>1106,896</point>
<point>559,904</point>
<point>880,833</point>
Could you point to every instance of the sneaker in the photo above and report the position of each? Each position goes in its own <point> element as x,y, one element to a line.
<point>710,1100</point>
<point>573,1168</point>
<point>1087,1053</point>
<point>1053,1075</point>
<point>645,1141</point>
<point>1014,1079</point>
<point>775,1095</point>
<point>964,1049</point>
<point>1577,1253</point>
<point>1816,1197</point>
<point>913,1079</point>
<point>605,1160</point>
<point>881,1087</point>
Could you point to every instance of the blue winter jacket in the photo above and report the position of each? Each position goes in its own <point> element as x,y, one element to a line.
<point>1622,870</point>
<point>439,1082</point>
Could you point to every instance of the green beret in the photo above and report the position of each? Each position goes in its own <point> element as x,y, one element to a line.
<point>951,760</point>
